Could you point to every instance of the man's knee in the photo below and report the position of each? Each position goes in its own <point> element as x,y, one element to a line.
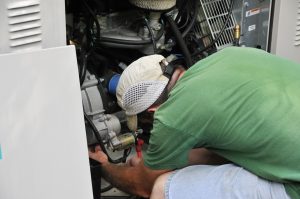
<point>158,190</point>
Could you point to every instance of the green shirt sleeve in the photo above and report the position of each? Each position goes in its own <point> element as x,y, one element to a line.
<point>168,147</point>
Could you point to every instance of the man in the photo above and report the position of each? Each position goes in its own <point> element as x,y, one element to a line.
<point>240,105</point>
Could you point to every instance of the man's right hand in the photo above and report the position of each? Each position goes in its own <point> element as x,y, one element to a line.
<point>134,161</point>
<point>98,155</point>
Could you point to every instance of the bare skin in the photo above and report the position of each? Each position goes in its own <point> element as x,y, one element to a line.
<point>135,178</point>
<point>158,190</point>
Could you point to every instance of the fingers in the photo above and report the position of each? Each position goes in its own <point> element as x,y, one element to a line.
<point>95,149</point>
<point>98,155</point>
<point>98,148</point>
<point>93,152</point>
<point>92,155</point>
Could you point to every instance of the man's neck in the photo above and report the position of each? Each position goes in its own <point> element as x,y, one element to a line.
<point>178,73</point>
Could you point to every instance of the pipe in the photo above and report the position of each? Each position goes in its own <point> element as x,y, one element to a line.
<point>180,41</point>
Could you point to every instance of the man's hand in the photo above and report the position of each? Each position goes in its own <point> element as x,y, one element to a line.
<point>98,155</point>
<point>134,161</point>
<point>129,177</point>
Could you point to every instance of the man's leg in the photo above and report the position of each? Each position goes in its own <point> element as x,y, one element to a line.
<point>214,182</point>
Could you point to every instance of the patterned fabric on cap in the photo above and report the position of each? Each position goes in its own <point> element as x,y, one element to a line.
<point>142,95</point>
<point>140,85</point>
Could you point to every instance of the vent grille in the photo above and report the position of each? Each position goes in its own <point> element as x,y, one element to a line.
<point>216,12</point>
<point>24,20</point>
<point>297,39</point>
<point>201,28</point>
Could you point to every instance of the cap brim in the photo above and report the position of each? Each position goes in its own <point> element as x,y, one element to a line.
<point>132,122</point>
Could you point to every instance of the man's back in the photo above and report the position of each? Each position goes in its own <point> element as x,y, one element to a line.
<point>241,103</point>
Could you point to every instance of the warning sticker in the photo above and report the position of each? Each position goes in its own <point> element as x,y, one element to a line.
<point>252,27</point>
<point>252,12</point>
<point>0,152</point>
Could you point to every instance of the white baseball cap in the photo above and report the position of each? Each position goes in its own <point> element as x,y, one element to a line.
<point>140,85</point>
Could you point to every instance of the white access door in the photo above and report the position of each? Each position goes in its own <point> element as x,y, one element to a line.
<point>42,133</point>
<point>286,29</point>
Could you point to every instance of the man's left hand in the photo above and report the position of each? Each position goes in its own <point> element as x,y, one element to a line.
<point>98,155</point>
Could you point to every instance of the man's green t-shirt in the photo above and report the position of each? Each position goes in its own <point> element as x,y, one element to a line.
<point>243,104</point>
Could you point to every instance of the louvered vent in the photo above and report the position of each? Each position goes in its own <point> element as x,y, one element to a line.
<point>216,12</point>
<point>24,19</point>
<point>297,39</point>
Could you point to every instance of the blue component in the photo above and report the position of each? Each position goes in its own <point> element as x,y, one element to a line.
<point>0,153</point>
<point>113,83</point>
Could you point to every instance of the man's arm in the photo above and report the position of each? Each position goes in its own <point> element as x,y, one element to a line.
<point>135,179</point>
<point>204,156</point>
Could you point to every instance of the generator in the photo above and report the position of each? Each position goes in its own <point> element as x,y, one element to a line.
<point>108,35</point>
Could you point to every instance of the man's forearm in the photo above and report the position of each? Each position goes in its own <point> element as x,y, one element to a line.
<point>118,176</point>
<point>135,180</point>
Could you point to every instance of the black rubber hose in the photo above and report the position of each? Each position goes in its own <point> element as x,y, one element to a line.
<point>180,41</point>
<point>186,21</point>
<point>181,9</point>
<point>122,41</point>
<point>192,23</point>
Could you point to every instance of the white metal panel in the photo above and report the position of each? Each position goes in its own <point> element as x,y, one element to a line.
<point>31,25</point>
<point>284,41</point>
<point>42,134</point>
<point>297,38</point>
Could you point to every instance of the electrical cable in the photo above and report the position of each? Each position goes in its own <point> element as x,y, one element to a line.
<point>84,56</point>
<point>229,12</point>
<point>105,189</point>
<point>180,41</point>
<point>84,67</point>
<point>79,69</point>
<point>94,17</point>
<point>152,35</point>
